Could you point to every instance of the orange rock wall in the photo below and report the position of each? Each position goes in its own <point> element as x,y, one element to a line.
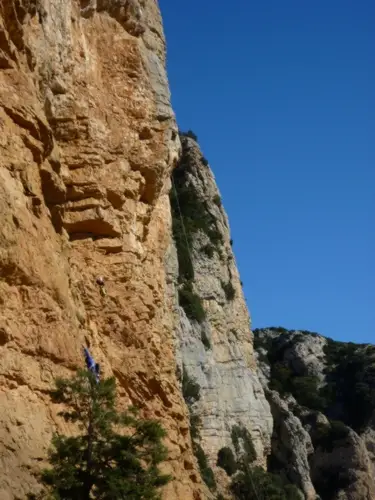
<point>87,143</point>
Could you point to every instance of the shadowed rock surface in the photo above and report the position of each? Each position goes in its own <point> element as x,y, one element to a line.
<point>322,400</point>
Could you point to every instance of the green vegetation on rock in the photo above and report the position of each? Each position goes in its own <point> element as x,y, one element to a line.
<point>229,290</point>
<point>190,388</point>
<point>227,461</point>
<point>189,134</point>
<point>194,210</point>
<point>303,388</point>
<point>327,436</point>
<point>350,377</point>
<point>195,423</point>
<point>204,468</point>
<point>251,482</point>
<point>205,340</point>
<point>243,444</point>
<point>191,394</point>
<point>255,483</point>
<point>217,200</point>
<point>191,303</point>
<point>190,215</point>
<point>346,395</point>
<point>331,480</point>
<point>349,381</point>
<point>284,379</point>
<point>209,250</point>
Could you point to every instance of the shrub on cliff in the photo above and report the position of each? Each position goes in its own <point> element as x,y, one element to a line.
<point>229,290</point>
<point>205,340</point>
<point>351,380</point>
<point>303,388</point>
<point>191,393</point>
<point>194,211</point>
<point>204,468</point>
<point>209,250</point>
<point>98,462</point>
<point>227,461</point>
<point>185,265</point>
<point>331,479</point>
<point>190,214</point>
<point>190,134</point>
<point>307,393</point>
<point>217,200</point>
<point>191,303</point>
<point>327,436</point>
<point>190,388</point>
<point>243,444</point>
<point>255,483</point>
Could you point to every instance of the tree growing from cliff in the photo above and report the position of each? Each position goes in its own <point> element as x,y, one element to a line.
<point>113,456</point>
<point>253,483</point>
<point>190,134</point>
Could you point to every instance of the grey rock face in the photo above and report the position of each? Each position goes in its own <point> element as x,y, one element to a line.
<point>347,462</point>
<point>159,82</point>
<point>307,356</point>
<point>368,437</point>
<point>217,352</point>
<point>263,367</point>
<point>292,444</point>
<point>305,352</point>
<point>316,453</point>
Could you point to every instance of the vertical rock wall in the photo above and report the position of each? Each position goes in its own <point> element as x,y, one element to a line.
<point>214,351</point>
<point>87,143</point>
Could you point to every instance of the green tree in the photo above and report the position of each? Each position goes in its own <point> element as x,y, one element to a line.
<point>254,483</point>
<point>227,461</point>
<point>100,462</point>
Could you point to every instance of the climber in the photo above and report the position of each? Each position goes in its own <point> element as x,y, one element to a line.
<point>100,282</point>
<point>91,365</point>
<point>139,13</point>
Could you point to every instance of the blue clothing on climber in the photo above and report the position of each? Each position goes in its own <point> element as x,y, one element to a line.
<point>91,365</point>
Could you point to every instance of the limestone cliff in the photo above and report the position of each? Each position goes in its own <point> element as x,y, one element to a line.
<point>214,343</point>
<point>88,142</point>
<point>322,397</point>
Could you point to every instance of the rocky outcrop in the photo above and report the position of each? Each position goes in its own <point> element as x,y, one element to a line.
<point>88,141</point>
<point>343,471</point>
<point>321,396</point>
<point>304,353</point>
<point>291,444</point>
<point>214,344</point>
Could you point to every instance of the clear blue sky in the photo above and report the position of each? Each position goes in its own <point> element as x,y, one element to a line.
<point>282,97</point>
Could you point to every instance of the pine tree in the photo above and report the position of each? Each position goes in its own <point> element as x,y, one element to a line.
<point>100,462</point>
